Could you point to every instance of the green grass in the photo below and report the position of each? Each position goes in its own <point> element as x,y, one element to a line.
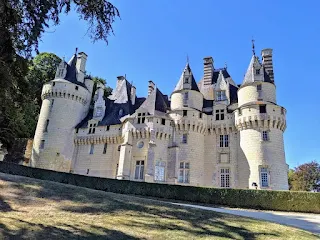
<point>35,209</point>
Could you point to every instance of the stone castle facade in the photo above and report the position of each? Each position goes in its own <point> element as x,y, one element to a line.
<point>214,133</point>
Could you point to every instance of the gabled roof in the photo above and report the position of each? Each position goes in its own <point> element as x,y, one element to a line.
<point>155,102</point>
<point>187,72</point>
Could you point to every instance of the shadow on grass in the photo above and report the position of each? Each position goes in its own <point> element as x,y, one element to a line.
<point>40,231</point>
<point>146,215</point>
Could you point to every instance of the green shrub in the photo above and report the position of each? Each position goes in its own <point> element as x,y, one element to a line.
<point>242,198</point>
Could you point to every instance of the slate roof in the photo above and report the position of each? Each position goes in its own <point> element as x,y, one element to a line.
<point>71,75</point>
<point>186,71</point>
<point>215,74</point>
<point>155,102</point>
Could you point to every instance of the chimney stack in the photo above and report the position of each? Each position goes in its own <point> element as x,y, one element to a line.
<point>267,62</point>
<point>81,65</point>
<point>151,87</point>
<point>133,95</point>
<point>208,70</point>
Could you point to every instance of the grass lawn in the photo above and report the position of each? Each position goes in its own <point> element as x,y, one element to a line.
<point>35,209</point>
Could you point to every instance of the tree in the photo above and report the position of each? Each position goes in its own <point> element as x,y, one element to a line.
<point>42,69</point>
<point>306,177</point>
<point>290,178</point>
<point>21,26</point>
<point>107,90</point>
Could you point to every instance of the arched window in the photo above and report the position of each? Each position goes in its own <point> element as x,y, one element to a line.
<point>46,126</point>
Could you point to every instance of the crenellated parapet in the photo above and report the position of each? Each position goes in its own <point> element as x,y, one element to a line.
<point>65,90</point>
<point>262,120</point>
<point>98,140</point>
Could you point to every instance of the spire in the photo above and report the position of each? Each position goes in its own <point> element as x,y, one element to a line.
<point>187,80</point>
<point>253,50</point>
<point>251,74</point>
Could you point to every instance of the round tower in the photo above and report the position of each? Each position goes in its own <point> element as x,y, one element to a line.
<point>189,127</point>
<point>65,103</point>
<point>261,123</point>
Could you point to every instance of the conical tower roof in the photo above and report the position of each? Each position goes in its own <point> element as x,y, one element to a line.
<point>187,80</point>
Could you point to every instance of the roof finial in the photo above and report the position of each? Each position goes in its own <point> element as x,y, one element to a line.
<point>225,65</point>
<point>76,51</point>
<point>125,76</point>
<point>253,51</point>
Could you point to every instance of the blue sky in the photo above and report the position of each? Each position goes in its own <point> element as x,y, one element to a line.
<point>153,38</point>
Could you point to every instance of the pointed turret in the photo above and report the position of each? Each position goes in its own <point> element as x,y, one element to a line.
<point>254,72</point>
<point>187,80</point>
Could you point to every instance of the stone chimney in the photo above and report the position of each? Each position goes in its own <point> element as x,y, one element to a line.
<point>267,62</point>
<point>207,70</point>
<point>81,65</point>
<point>151,87</point>
<point>133,95</point>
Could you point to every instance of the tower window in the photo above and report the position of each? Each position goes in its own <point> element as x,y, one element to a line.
<point>225,177</point>
<point>139,171</point>
<point>42,144</point>
<point>185,113</point>
<point>200,115</point>
<point>77,88</point>
<point>221,95</point>
<point>186,80</point>
<point>239,112</point>
<point>263,109</point>
<point>264,177</point>
<point>108,128</point>
<point>265,136</point>
<point>46,126</point>
<point>53,84</point>
<point>224,141</point>
<point>91,148</point>
<point>259,87</point>
<point>220,114</point>
<point>77,130</point>
<point>184,172</point>
<point>257,71</point>
<point>105,148</point>
<point>185,138</point>
<point>119,148</point>
<point>185,99</point>
<point>163,121</point>
<point>51,106</point>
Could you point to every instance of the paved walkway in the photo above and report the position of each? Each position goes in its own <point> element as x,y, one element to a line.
<point>305,221</point>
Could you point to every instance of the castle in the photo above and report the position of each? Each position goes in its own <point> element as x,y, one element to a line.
<point>214,133</point>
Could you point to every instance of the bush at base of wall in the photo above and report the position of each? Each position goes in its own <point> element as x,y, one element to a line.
<point>255,199</point>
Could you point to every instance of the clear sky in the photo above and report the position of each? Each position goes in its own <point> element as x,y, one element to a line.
<point>153,38</point>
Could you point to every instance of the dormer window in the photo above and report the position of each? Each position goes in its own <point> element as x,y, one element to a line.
<point>185,99</point>
<point>220,95</point>
<point>92,128</point>
<point>141,118</point>
<point>186,80</point>
<point>257,71</point>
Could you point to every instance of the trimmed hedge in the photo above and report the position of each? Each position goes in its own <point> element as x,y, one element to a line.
<point>242,198</point>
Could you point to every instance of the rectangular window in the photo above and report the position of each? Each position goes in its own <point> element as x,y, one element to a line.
<point>282,111</point>
<point>224,141</point>
<point>91,148</point>
<point>42,144</point>
<point>224,177</point>
<point>220,114</point>
<point>77,88</point>
<point>257,71</point>
<point>104,149</point>
<point>200,115</point>
<point>159,171</point>
<point>259,87</point>
<point>92,128</point>
<point>184,113</point>
<point>186,79</point>
<point>265,136</point>
<point>239,112</point>
<point>46,126</point>
<point>264,177</point>
<point>139,171</point>
<point>185,138</point>
<point>108,128</point>
<point>185,98</point>
<point>163,121</point>
<point>221,95</point>
<point>51,106</point>
<point>263,109</point>
<point>184,172</point>
<point>141,118</point>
